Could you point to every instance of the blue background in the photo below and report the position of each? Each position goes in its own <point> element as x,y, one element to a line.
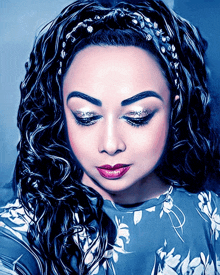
<point>20,20</point>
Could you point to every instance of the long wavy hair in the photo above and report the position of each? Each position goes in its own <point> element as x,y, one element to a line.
<point>65,213</point>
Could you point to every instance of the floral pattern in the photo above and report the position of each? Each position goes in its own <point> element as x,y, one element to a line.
<point>15,213</point>
<point>168,264</point>
<point>174,234</point>
<point>210,211</point>
<point>14,224</point>
<point>172,210</point>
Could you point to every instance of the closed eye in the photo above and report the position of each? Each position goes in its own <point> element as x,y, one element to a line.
<point>141,121</point>
<point>86,121</point>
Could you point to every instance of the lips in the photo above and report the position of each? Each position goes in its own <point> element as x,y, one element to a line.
<point>113,172</point>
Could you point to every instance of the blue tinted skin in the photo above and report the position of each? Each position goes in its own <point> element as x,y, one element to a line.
<point>117,109</point>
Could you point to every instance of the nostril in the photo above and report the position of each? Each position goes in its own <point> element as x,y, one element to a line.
<point>118,151</point>
<point>111,153</point>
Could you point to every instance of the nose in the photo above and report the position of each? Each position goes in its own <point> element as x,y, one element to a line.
<point>111,140</point>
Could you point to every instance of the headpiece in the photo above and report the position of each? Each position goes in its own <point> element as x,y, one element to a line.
<point>130,20</point>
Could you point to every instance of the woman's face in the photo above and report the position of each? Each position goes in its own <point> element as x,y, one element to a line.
<point>117,106</point>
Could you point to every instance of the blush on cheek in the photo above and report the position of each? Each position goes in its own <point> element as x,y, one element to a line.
<point>80,145</point>
<point>73,146</point>
<point>72,141</point>
<point>77,152</point>
<point>159,140</point>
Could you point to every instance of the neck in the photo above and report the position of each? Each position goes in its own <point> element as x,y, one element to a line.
<point>144,190</point>
<point>147,188</point>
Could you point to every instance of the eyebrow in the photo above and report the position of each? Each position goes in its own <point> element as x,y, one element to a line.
<point>91,99</point>
<point>140,96</point>
<point>125,102</point>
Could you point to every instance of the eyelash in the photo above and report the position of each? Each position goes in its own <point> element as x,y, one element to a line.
<point>138,122</point>
<point>86,121</point>
<point>135,122</point>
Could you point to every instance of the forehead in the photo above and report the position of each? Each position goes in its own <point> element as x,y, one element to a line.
<point>114,70</point>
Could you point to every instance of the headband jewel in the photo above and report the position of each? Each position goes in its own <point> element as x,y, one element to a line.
<point>150,30</point>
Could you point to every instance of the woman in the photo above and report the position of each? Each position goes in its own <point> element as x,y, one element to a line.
<point>115,148</point>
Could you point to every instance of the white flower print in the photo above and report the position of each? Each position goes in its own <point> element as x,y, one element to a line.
<point>166,262</point>
<point>218,264</point>
<point>206,207</point>
<point>139,213</point>
<point>5,270</point>
<point>15,213</point>
<point>151,209</point>
<point>137,216</point>
<point>95,270</point>
<point>200,265</point>
<point>197,266</point>
<point>122,235</point>
<point>170,264</point>
<point>184,267</point>
<point>84,240</point>
<point>169,208</point>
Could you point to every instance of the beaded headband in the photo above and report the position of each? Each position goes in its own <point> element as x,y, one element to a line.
<point>135,21</point>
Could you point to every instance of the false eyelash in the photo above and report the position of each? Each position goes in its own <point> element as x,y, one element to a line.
<point>137,122</point>
<point>86,121</point>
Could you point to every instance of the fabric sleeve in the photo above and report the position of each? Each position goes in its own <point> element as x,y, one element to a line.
<point>209,209</point>
<point>16,257</point>
<point>215,225</point>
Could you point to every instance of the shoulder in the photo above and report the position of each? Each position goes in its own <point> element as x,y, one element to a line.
<point>16,255</point>
<point>205,201</point>
<point>199,199</point>
<point>202,207</point>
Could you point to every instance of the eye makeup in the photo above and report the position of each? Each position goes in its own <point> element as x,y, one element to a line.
<point>139,118</point>
<point>134,118</point>
<point>86,118</point>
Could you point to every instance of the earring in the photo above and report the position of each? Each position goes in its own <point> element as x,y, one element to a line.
<point>177,97</point>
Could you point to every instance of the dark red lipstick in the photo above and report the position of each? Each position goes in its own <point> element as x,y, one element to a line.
<point>113,172</point>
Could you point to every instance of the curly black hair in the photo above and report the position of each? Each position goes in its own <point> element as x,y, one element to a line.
<point>49,177</point>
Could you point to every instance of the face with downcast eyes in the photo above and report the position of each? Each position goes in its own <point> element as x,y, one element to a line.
<point>117,107</point>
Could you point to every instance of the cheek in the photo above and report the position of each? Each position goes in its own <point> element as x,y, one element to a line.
<point>81,142</point>
<point>151,141</point>
<point>74,139</point>
<point>159,139</point>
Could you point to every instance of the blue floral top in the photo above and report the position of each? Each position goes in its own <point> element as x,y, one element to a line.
<point>176,233</point>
